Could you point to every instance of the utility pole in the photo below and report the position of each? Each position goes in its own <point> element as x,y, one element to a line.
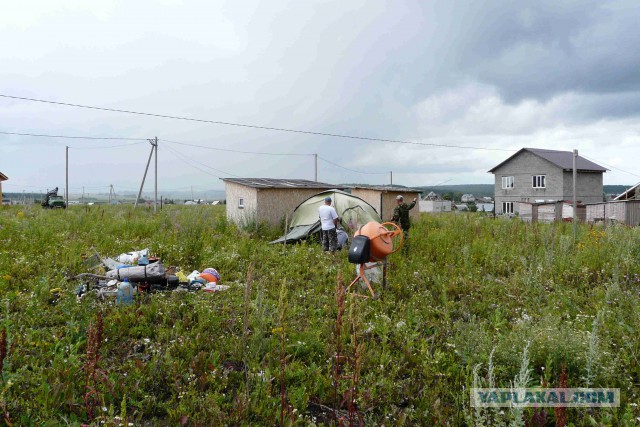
<point>145,174</point>
<point>66,185</point>
<point>155,191</point>
<point>192,199</point>
<point>83,194</point>
<point>575,204</point>
<point>391,177</point>
<point>315,156</point>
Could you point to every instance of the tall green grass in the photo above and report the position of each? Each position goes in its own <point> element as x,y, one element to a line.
<point>472,292</point>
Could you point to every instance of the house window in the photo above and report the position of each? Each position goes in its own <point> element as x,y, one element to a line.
<point>538,181</point>
<point>507,182</point>
<point>241,203</point>
<point>507,208</point>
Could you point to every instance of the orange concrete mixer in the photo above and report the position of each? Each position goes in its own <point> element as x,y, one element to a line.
<point>381,238</point>
<point>373,242</point>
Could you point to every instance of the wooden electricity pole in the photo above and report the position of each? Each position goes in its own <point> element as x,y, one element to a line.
<point>153,143</point>
<point>66,185</point>
<point>155,190</point>
<point>575,204</point>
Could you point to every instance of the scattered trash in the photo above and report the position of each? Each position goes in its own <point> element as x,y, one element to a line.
<point>55,295</point>
<point>81,290</point>
<point>137,272</point>
<point>343,238</point>
<point>208,280</point>
<point>181,277</point>
<point>132,257</point>
<point>125,293</point>
<point>213,272</point>
<point>213,287</point>
<point>194,274</point>
<point>152,273</point>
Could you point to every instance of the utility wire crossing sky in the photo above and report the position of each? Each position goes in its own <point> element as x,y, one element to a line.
<point>433,91</point>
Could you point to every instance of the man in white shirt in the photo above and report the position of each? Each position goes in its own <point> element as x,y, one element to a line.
<point>329,222</point>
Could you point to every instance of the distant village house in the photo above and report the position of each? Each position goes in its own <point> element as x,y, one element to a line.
<point>534,175</point>
<point>3,177</point>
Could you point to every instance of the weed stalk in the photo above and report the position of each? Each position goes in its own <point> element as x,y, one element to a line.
<point>355,418</point>
<point>245,329</point>
<point>94,342</point>
<point>338,357</point>
<point>3,355</point>
<point>3,350</point>
<point>284,406</point>
<point>561,413</point>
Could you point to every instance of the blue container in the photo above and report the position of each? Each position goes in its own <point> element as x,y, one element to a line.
<point>125,293</point>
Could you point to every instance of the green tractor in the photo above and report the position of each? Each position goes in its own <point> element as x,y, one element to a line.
<point>53,201</point>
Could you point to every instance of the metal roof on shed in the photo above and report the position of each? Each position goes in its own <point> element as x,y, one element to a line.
<point>279,183</point>
<point>386,188</point>
<point>562,159</point>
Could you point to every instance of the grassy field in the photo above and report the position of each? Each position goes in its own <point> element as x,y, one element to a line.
<point>476,301</point>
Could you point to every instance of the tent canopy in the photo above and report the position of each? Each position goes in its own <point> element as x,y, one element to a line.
<point>352,211</point>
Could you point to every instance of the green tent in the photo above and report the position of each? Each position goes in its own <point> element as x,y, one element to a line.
<point>352,211</point>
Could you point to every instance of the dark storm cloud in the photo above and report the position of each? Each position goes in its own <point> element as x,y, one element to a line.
<point>540,49</point>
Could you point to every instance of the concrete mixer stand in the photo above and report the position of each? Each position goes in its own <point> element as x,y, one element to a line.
<point>362,276</point>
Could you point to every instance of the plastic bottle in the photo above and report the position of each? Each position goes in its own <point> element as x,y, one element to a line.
<point>125,293</point>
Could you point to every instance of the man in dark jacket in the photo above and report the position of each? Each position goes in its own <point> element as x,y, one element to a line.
<point>401,214</point>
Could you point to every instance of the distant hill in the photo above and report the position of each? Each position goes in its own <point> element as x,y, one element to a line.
<point>124,196</point>
<point>486,190</point>
<point>614,189</point>
<point>478,190</point>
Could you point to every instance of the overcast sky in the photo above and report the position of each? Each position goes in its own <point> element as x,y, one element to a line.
<point>490,74</point>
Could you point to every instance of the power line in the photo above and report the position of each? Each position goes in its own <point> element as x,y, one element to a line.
<point>72,137</point>
<point>235,151</point>
<point>278,129</point>
<point>612,167</point>
<point>82,137</point>
<point>352,170</point>
<point>189,161</point>
<point>95,147</point>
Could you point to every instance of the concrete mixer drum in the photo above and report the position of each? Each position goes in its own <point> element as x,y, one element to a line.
<point>385,238</point>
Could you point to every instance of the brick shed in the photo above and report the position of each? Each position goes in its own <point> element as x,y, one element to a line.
<point>266,200</point>
<point>383,199</point>
<point>3,177</point>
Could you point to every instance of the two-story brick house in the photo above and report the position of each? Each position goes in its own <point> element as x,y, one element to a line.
<point>535,175</point>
